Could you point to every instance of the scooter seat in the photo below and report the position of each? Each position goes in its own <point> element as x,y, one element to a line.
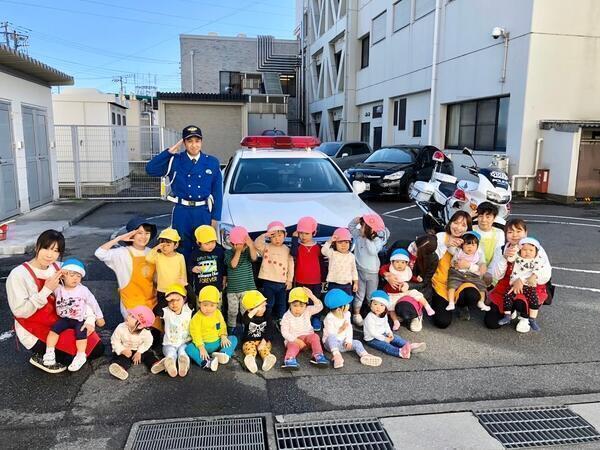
<point>447,189</point>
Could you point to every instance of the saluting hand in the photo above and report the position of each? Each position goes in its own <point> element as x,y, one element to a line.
<point>175,148</point>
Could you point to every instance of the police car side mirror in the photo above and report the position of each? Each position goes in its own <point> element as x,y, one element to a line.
<point>344,155</point>
<point>359,186</point>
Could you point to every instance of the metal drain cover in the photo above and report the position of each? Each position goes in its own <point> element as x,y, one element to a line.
<point>205,434</point>
<point>533,427</point>
<point>333,435</point>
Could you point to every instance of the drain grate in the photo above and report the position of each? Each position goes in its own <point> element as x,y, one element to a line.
<point>333,435</point>
<point>205,434</point>
<point>533,427</point>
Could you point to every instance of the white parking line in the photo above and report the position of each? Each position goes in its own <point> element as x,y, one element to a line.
<point>6,335</point>
<point>566,286</point>
<point>399,209</point>
<point>402,218</point>
<point>558,217</point>
<point>556,222</point>
<point>575,270</point>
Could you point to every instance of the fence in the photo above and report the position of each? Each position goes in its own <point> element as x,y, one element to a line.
<point>108,162</point>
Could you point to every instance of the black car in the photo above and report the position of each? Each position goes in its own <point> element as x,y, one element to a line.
<point>346,154</point>
<point>391,169</point>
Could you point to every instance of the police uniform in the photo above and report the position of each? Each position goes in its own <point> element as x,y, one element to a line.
<point>196,189</point>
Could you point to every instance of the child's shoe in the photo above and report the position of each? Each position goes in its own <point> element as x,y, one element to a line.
<point>211,364</point>
<point>450,307</point>
<point>338,361</point>
<point>482,306</point>
<point>250,363</point>
<point>418,347</point>
<point>269,362</point>
<point>118,371</point>
<point>358,320</point>
<point>370,360</point>
<point>77,362</point>
<point>290,364</point>
<point>222,357</point>
<point>404,352</point>
<point>49,358</point>
<point>534,325</point>
<point>523,326</point>
<point>184,365</point>
<point>429,310</point>
<point>37,360</point>
<point>171,367</point>
<point>505,320</point>
<point>320,360</point>
<point>316,323</point>
<point>396,325</point>
<point>158,366</point>
<point>416,324</point>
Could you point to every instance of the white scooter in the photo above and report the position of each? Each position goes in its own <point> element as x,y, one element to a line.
<point>441,196</point>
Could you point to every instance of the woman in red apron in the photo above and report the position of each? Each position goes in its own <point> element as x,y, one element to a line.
<point>30,291</point>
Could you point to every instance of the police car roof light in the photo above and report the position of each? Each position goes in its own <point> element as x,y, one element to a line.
<point>438,156</point>
<point>280,142</point>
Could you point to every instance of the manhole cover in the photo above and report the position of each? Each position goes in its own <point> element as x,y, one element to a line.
<point>205,434</point>
<point>532,427</point>
<point>332,435</point>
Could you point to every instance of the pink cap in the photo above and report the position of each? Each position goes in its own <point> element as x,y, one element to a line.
<point>276,226</point>
<point>238,235</point>
<point>374,221</point>
<point>143,315</point>
<point>342,234</point>
<point>306,225</point>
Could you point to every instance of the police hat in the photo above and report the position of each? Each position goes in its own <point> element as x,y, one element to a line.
<point>191,131</point>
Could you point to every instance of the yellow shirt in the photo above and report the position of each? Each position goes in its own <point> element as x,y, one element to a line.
<point>169,269</point>
<point>207,328</point>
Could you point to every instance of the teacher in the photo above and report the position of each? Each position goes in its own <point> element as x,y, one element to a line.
<point>196,185</point>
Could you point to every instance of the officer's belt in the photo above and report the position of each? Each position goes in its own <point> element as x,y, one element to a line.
<point>184,202</point>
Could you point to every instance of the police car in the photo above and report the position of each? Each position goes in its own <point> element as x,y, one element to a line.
<point>283,178</point>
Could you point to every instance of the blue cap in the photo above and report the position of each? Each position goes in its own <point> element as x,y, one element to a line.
<point>137,222</point>
<point>381,297</point>
<point>336,298</point>
<point>400,255</point>
<point>74,265</point>
<point>473,233</point>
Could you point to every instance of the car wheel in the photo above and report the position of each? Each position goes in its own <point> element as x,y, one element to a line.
<point>406,194</point>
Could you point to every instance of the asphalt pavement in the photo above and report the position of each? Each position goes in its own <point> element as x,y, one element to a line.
<point>465,363</point>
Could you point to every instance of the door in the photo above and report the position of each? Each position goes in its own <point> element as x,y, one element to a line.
<point>377,131</point>
<point>365,132</point>
<point>588,170</point>
<point>9,204</point>
<point>39,178</point>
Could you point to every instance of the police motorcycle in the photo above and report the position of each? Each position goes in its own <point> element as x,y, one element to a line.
<point>443,195</point>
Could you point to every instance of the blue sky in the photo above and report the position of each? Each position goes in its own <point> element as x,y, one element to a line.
<point>96,40</point>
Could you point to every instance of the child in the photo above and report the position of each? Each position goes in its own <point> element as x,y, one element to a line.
<point>208,262</point>
<point>131,341</point>
<point>259,330</point>
<point>378,333</point>
<point>276,269</point>
<point>297,331</point>
<point>367,244</point>
<point>177,316</point>
<point>170,266</point>
<point>529,270</point>
<point>76,308</point>
<point>337,334</point>
<point>342,273</point>
<point>491,238</point>
<point>240,275</point>
<point>308,261</point>
<point>400,274</point>
<point>210,344</point>
<point>467,266</point>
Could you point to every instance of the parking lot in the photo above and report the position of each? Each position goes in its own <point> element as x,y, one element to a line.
<point>464,363</point>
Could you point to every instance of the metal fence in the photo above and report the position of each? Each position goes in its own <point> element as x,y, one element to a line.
<point>108,162</point>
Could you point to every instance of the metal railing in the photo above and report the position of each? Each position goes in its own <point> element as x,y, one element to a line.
<point>108,162</point>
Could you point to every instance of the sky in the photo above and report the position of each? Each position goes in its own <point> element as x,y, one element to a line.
<point>96,41</point>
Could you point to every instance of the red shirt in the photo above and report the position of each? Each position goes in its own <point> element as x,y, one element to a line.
<point>308,264</point>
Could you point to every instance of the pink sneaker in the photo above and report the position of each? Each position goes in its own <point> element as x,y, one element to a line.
<point>405,351</point>
<point>338,361</point>
<point>396,325</point>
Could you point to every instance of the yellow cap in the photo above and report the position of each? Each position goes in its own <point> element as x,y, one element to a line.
<point>205,233</point>
<point>209,294</point>
<point>179,289</point>
<point>298,295</point>
<point>170,234</point>
<point>252,299</point>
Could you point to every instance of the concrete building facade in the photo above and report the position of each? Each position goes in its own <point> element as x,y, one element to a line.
<point>455,73</point>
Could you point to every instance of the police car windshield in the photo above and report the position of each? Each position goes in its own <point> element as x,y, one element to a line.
<point>286,176</point>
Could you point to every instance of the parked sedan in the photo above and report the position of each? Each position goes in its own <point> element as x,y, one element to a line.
<point>391,169</point>
<point>346,154</point>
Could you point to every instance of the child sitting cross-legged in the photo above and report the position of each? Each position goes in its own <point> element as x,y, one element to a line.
<point>258,331</point>
<point>177,316</point>
<point>337,333</point>
<point>297,330</point>
<point>210,344</point>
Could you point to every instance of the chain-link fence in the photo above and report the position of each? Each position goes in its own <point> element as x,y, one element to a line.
<point>96,161</point>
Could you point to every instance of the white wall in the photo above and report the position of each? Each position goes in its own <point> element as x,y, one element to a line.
<point>18,93</point>
<point>560,154</point>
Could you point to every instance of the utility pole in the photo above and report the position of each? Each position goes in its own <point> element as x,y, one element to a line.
<point>18,40</point>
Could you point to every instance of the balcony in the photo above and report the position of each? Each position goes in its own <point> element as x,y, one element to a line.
<point>267,104</point>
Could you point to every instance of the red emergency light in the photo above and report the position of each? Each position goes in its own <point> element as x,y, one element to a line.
<point>280,142</point>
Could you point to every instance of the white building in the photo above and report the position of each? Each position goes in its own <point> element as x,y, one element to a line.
<point>493,76</point>
<point>28,173</point>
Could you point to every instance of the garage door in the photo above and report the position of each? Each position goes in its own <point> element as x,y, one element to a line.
<point>39,181</point>
<point>9,205</point>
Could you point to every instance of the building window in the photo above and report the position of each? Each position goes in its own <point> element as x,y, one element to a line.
<point>401,14</point>
<point>365,131</point>
<point>288,84</point>
<point>114,120</point>
<point>124,121</point>
<point>417,128</point>
<point>119,119</point>
<point>378,27</point>
<point>364,51</point>
<point>400,114</point>
<point>337,57</point>
<point>377,111</point>
<point>423,7</point>
<point>479,124</point>
<point>230,83</point>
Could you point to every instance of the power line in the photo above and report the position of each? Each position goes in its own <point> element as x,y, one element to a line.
<point>20,41</point>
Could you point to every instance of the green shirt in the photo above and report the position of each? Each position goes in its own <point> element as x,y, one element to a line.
<point>240,279</point>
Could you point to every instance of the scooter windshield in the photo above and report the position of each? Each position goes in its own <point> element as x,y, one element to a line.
<point>498,178</point>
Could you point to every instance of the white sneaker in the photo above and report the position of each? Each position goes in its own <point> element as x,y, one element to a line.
<point>118,371</point>
<point>250,363</point>
<point>523,325</point>
<point>158,366</point>
<point>482,306</point>
<point>416,324</point>
<point>49,359</point>
<point>77,362</point>
<point>269,362</point>
<point>171,367</point>
<point>358,320</point>
<point>450,307</point>
<point>221,357</point>
<point>513,316</point>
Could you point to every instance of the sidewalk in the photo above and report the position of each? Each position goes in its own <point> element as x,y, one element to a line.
<point>58,216</point>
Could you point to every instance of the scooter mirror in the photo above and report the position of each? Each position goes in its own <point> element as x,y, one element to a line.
<point>467,151</point>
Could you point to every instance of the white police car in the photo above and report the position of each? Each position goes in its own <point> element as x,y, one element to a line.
<point>282,178</point>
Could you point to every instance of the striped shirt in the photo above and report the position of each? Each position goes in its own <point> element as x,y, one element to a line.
<point>240,279</point>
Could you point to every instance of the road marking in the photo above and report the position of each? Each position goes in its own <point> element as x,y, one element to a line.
<point>402,218</point>
<point>558,217</point>
<point>6,335</point>
<point>555,222</point>
<point>575,270</point>
<point>399,209</point>
<point>158,217</point>
<point>577,287</point>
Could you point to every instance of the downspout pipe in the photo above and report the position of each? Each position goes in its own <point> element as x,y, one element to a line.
<point>434,66</point>
<point>192,67</point>
<point>538,146</point>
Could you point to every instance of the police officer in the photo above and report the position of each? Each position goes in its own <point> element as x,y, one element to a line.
<point>196,185</point>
